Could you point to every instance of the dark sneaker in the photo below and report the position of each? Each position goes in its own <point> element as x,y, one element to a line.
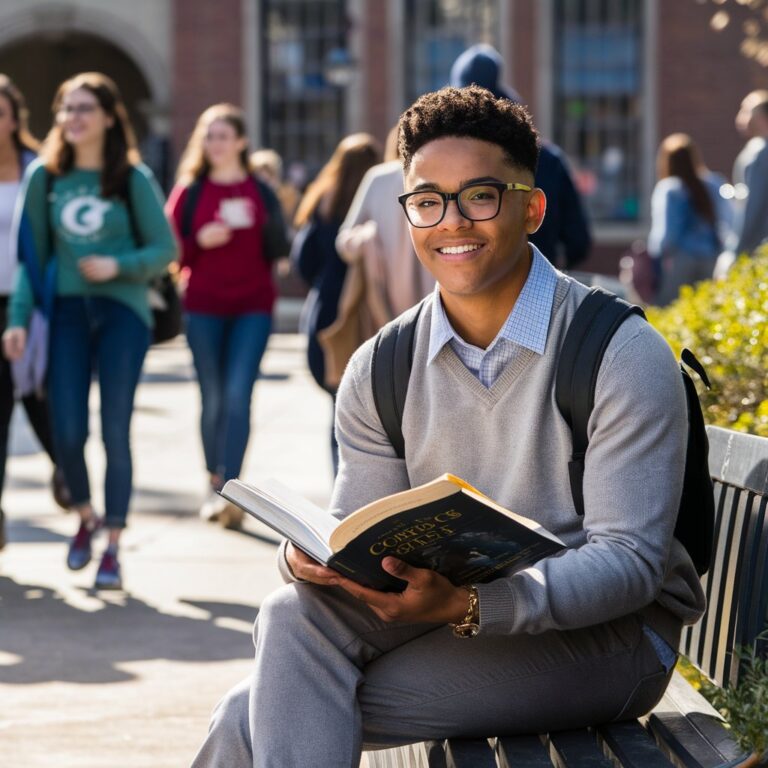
<point>2,529</point>
<point>108,575</point>
<point>60,489</point>
<point>79,554</point>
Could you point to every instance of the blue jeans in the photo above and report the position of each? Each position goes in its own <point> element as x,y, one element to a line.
<point>227,352</point>
<point>102,336</point>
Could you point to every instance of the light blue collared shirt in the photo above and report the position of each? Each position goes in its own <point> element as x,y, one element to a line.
<point>526,326</point>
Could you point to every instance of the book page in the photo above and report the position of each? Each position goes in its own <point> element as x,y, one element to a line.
<point>367,516</point>
<point>287,512</point>
<point>444,486</point>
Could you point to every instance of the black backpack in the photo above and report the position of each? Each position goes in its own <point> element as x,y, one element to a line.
<point>592,327</point>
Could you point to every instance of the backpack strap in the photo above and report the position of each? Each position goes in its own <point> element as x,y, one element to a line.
<point>190,204</point>
<point>390,372</point>
<point>127,198</point>
<point>588,335</point>
<point>274,240</point>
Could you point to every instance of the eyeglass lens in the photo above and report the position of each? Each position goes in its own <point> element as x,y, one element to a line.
<point>77,109</point>
<point>477,203</point>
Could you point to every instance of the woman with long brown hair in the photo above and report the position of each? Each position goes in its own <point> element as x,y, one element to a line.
<point>18,148</point>
<point>320,213</point>
<point>231,229</point>
<point>689,217</point>
<point>92,218</point>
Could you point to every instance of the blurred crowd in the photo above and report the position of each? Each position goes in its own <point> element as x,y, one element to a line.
<point>95,263</point>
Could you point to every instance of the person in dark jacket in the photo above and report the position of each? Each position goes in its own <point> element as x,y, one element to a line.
<point>564,236</point>
<point>318,218</point>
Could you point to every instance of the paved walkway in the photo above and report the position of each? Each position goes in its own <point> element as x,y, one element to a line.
<point>128,679</point>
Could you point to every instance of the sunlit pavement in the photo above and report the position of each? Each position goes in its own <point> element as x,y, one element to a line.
<point>127,679</point>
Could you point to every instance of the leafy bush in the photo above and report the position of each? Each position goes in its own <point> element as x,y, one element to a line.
<point>725,324</point>
<point>745,705</point>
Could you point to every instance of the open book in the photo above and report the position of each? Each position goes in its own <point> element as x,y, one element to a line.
<point>445,525</point>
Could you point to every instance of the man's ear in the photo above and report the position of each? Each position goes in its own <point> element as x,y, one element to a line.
<point>535,210</point>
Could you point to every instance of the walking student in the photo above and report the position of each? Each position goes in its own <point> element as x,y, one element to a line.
<point>585,636</point>
<point>18,148</point>
<point>321,211</point>
<point>94,213</point>
<point>231,230</point>
<point>690,220</point>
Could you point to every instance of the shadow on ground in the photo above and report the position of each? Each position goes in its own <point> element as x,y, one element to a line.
<point>89,647</point>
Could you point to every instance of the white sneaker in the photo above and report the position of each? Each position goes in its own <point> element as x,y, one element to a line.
<point>213,506</point>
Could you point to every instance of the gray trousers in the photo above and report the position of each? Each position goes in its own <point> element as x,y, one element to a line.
<point>332,679</point>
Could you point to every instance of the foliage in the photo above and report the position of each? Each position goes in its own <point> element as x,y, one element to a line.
<point>725,324</point>
<point>745,705</point>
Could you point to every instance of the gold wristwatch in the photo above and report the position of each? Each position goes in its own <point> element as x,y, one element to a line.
<point>470,624</point>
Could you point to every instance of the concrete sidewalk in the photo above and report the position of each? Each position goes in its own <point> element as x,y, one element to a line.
<point>128,679</point>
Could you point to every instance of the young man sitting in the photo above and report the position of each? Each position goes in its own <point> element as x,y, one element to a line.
<point>583,637</point>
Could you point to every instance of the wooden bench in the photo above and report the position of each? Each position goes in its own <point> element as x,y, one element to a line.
<point>683,730</point>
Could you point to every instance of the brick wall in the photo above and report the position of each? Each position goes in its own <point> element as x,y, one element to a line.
<point>207,62</point>
<point>702,78</point>
<point>524,19</point>
<point>376,54</point>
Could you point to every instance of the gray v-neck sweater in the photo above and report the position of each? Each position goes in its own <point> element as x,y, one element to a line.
<point>510,442</point>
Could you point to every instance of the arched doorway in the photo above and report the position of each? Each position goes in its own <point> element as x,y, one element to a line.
<point>59,56</point>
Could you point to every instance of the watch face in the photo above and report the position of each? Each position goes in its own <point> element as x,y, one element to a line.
<point>466,630</point>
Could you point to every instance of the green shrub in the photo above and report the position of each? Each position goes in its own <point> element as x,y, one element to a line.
<point>725,324</point>
<point>745,705</point>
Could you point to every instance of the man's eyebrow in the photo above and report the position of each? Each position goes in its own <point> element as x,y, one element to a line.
<point>431,186</point>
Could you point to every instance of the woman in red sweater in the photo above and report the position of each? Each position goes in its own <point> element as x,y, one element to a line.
<point>231,229</point>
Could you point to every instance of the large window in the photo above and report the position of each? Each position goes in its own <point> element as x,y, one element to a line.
<point>303,111</point>
<point>436,32</point>
<point>598,101</point>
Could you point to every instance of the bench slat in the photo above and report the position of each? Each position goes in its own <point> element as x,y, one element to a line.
<point>576,748</point>
<point>632,746</point>
<point>522,752</point>
<point>690,728</point>
<point>469,753</point>
<point>435,754</point>
<point>755,618</point>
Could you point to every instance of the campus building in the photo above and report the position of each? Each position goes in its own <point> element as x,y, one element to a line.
<point>607,80</point>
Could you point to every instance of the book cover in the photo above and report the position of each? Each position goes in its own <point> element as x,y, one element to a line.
<point>445,525</point>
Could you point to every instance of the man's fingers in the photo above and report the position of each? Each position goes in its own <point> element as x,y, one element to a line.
<point>404,571</point>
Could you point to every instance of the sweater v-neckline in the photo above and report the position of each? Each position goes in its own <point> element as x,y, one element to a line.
<point>493,394</point>
<point>512,371</point>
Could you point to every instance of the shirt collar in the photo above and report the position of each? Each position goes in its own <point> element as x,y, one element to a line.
<point>528,322</point>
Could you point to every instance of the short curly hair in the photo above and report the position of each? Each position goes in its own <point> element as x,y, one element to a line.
<point>470,112</point>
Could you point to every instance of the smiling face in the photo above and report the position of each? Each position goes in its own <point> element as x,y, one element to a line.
<point>473,261</point>
<point>82,119</point>
<point>222,145</point>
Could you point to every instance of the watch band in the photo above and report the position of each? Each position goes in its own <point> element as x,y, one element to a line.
<point>469,626</point>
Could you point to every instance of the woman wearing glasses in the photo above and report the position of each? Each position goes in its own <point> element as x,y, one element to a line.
<point>94,214</point>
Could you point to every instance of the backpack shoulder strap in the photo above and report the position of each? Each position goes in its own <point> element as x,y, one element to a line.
<point>125,194</point>
<point>390,371</point>
<point>190,204</point>
<point>274,240</point>
<point>588,335</point>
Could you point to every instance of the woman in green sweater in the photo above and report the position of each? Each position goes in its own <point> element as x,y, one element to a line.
<point>91,235</point>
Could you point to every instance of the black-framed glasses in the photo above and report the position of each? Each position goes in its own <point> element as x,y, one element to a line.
<point>476,202</point>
